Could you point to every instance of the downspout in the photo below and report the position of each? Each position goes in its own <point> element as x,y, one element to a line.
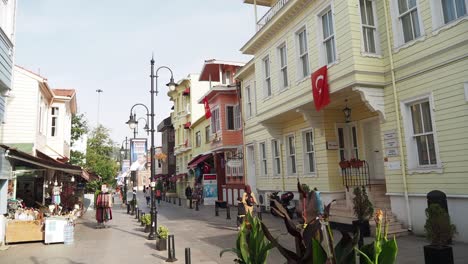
<point>281,158</point>
<point>397,113</point>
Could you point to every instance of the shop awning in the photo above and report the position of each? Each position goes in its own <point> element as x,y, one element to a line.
<point>197,160</point>
<point>187,125</point>
<point>186,91</point>
<point>47,163</point>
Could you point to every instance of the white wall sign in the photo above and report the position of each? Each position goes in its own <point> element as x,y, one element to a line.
<point>332,145</point>
<point>234,163</point>
<point>389,134</point>
<point>391,143</point>
<point>392,152</point>
<point>393,165</point>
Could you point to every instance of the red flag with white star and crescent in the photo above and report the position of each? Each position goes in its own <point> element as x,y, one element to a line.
<point>320,89</point>
<point>207,108</point>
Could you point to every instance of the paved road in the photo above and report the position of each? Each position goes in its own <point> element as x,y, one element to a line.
<point>205,234</point>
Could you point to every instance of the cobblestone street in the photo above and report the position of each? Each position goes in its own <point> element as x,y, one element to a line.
<point>125,242</point>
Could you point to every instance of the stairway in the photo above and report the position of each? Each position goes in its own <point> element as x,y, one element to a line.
<point>342,211</point>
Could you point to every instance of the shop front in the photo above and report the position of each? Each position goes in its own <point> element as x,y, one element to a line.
<point>39,190</point>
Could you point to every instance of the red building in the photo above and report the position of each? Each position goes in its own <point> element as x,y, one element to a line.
<point>226,141</point>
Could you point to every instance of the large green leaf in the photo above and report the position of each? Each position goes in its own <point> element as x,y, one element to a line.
<point>368,250</point>
<point>308,237</point>
<point>344,250</point>
<point>244,246</point>
<point>319,256</point>
<point>389,252</point>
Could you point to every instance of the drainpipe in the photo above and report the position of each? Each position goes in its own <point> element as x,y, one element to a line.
<point>281,159</point>
<point>397,113</point>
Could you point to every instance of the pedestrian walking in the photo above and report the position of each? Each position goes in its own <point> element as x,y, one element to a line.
<point>248,199</point>
<point>158,196</point>
<point>240,212</point>
<point>147,196</point>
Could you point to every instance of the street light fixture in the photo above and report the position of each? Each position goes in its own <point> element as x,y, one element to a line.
<point>124,153</point>
<point>172,85</point>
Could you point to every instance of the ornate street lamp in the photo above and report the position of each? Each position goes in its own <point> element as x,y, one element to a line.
<point>347,112</point>
<point>133,123</point>
<point>124,154</point>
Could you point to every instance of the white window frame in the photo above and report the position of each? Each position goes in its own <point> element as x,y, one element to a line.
<point>306,153</point>
<point>350,148</point>
<point>207,134</point>
<point>198,138</point>
<point>397,26</point>
<point>248,101</point>
<point>289,156</point>
<point>411,148</point>
<point>267,85</point>
<point>437,12</point>
<point>262,151</point>
<point>237,117</point>
<point>54,116</point>
<point>299,56</point>
<point>322,42</point>
<point>276,157</point>
<point>283,69</point>
<point>374,27</point>
<point>215,120</point>
<point>236,120</point>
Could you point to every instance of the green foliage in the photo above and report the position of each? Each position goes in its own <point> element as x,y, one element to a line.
<point>159,185</point>
<point>79,127</point>
<point>146,219</point>
<point>382,250</point>
<point>162,232</point>
<point>363,208</point>
<point>99,153</point>
<point>439,229</point>
<point>77,158</point>
<point>251,247</point>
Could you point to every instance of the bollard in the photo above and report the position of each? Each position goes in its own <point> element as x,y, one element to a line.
<point>191,203</point>
<point>136,212</point>
<point>138,216</point>
<point>171,249</point>
<point>174,200</point>
<point>141,217</point>
<point>188,258</point>
<point>228,212</point>
<point>196,206</point>
<point>128,208</point>
<point>180,202</point>
<point>133,209</point>
<point>216,210</point>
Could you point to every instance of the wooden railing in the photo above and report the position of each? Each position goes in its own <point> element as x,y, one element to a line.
<point>355,173</point>
<point>271,13</point>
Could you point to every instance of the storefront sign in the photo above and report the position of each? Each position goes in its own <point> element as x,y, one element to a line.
<point>391,143</point>
<point>332,145</point>
<point>392,152</point>
<point>389,134</point>
<point>210,189</point>
<point>234,163</point>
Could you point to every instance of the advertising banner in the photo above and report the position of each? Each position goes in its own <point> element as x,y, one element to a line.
<point>125,165</point>
<point>210,189</point>
<point>138,153</point>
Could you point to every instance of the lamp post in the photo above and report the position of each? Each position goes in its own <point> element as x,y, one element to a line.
<point>124,152</point>
<point>146,128</point>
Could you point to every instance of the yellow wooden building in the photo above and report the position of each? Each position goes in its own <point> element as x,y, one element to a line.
<point>385,59</point>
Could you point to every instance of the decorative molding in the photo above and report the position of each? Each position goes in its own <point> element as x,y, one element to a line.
<point>315,121</point>
<point>374,99</point>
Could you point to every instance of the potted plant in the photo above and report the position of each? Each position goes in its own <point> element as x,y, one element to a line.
<point>161,237</point>
<point>141,219</point>
<point>146,219</point>
<point>363,210</point>
<point>439,230</point>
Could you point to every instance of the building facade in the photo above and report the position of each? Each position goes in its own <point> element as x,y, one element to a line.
<point>380,66</point>
<point>167,133</point>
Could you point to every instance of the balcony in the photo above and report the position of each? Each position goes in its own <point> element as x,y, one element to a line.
<point>271,13</point>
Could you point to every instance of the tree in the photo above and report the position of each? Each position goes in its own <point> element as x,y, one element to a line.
<point>99,155</point>
<point>79,127</point>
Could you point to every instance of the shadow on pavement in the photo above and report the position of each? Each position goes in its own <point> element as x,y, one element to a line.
<point>55,260</point>
<point>159,257</point>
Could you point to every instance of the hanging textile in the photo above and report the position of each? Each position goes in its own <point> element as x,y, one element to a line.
<point>103,207</point>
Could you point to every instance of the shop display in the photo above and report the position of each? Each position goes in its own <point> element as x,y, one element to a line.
<point>103,209</point>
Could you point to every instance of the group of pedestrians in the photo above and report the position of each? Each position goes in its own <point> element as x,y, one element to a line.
<point>157,195</point>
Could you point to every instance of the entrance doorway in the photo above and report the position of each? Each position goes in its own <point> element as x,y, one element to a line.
<point>250,162</point>
<point>373,149</point>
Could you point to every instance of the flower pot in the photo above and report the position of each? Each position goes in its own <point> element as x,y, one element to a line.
<point>434,254</point>
<point>147,228</point>
<point>161,244</point>
<point>364,227</point>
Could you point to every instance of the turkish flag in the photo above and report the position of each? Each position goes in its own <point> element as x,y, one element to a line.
<point>320,88</point>
<point>207,108</point>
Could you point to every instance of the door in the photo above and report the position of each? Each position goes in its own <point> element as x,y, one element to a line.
<point>348,147</point>
<point>373,148</point>
<point>250,160</point>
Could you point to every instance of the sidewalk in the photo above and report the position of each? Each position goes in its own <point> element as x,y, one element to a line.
<point>202,231</point>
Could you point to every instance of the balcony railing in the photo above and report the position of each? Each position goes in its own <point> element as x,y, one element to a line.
<point>271,13</point>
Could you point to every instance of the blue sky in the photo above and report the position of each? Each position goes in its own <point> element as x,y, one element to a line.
<point>107,44</point>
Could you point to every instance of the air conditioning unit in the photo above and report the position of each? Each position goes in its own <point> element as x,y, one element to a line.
<point>266,201</point>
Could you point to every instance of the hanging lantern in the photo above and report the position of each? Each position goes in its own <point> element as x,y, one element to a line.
<point>73,178</point>
<point>347,112</point>
<point>55,183</point>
